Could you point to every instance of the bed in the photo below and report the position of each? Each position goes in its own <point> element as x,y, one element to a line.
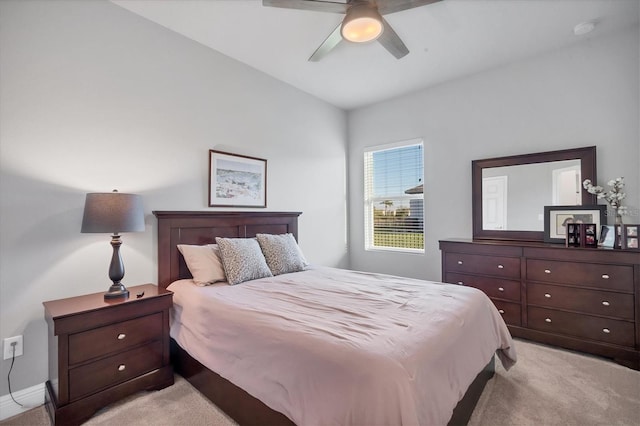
<point>297,391</point>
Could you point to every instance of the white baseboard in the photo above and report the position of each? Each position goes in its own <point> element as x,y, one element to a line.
<point>30,398</point>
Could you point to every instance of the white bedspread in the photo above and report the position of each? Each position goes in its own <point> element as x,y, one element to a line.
<point>335,347</point>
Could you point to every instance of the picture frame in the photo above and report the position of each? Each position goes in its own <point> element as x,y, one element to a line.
<point>607,236</point>
<point>581,235</point>
<point>618,237</point>
<point>556,219</point>
<point>237,180</point>
<point>630,236</point>
<point>573,235</point>
<point>590,233</point>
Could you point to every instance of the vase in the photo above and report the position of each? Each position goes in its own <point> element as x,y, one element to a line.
<point>618,216</point>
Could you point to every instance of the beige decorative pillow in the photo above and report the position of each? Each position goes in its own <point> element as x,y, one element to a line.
<point>242,259</point>
<point>282,253</point>
<point>203,262</point>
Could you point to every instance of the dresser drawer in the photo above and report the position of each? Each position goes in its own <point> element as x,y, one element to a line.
<point>92,377</point>
<point>589,295</point>
<point>492,287</point>
<point>595,302</point>
<point>579,325</point>
<point>510,311</point>
<point>114,338</point>
<point>497,266</point>
<point>608,277</point>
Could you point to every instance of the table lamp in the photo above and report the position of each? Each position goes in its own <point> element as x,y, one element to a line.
<point>113,212</point>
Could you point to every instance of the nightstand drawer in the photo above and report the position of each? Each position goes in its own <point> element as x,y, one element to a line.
<point>580,325</point>
<point>101,350</point>
<point>594,302</point>
<point>607,277</point>
<point>497,266</point>
<point>492,287</point>
<point>114,338</point>
<point>92,377</point>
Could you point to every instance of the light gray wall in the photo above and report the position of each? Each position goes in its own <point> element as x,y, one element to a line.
<point>579,96</point>
<point>94,98</point>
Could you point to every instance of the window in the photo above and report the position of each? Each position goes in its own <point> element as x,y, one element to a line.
<point>394,199</point>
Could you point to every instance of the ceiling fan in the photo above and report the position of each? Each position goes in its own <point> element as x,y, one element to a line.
<point>363,21</point>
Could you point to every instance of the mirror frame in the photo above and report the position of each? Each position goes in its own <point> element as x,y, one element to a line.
<point>587,157</point>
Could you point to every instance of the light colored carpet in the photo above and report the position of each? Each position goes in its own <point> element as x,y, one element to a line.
<point>180,404</point>
<point>547,386</point>
<point>550,386</point>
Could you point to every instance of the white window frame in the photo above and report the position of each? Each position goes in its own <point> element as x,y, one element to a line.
<point>370,201</point>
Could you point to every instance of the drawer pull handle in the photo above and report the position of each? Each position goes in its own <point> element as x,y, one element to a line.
<point>460,262</point>
<point>121,367</point>
<point>605,276</point>
<point>460,283</point>
<point>121,336</point>
<point>547,320</point>
<point>501,311</point>
<point>500,266</point>
<point>547,271</point>
<point>547,295</point>
<point>500,288</point>
<point>605,303</point>
<point>606,330</point>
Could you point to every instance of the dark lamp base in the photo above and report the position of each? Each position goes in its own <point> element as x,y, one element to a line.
<point>117,291</point>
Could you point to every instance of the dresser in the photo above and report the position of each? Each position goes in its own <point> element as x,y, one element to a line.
<point>103,350</point>
<point>585,299</point>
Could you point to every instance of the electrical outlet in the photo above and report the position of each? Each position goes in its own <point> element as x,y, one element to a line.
<point>8,349</point>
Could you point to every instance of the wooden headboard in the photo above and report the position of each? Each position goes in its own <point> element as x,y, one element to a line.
<point>184,227</point>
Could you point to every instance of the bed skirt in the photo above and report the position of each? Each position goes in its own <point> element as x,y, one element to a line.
<point>247,410</point>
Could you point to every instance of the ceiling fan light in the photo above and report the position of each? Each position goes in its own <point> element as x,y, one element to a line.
<point>361,24</point>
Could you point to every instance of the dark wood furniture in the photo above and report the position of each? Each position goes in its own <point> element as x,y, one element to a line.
<point>201,228</point>
<point>585,299</point>
<point>587,157</point>
<point>101,351</point>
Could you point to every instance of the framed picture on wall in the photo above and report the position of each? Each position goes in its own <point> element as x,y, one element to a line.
<point>237,180</point>
<point>556,219</point>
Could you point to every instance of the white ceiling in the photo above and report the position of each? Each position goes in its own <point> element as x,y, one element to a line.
<point>446,40</point>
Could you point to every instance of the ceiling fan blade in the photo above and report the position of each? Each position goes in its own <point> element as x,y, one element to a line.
<point>392,6</point>
<point>327,45</point>
<point>390,40</point>
<point>319,6</point>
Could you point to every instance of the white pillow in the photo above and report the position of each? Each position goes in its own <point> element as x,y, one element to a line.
<point>203,262</point>
<point>242,259</point>
<point>282,253</point>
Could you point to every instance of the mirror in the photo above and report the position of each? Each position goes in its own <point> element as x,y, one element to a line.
<point>509,193</point>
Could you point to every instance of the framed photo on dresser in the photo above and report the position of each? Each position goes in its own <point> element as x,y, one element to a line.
<point>557,219</point>
<point>581,235</point>
<point>607,236</point>
<point>629,237</point>
<point>590,232</point>
<point>573,235</point>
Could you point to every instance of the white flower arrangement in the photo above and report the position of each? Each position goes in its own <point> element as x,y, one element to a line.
<point>614,196</point>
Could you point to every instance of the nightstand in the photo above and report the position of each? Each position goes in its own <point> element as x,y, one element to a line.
<point>101,351</point>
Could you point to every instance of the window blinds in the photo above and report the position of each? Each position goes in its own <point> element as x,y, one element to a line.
<point>394,199</point>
